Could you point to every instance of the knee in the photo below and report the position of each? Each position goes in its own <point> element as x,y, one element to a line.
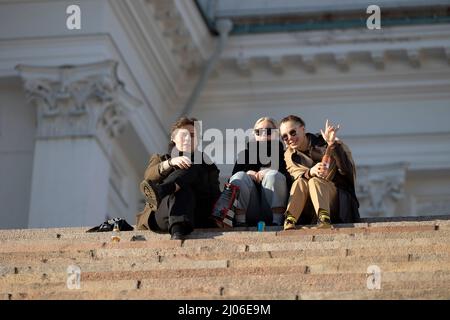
<point>274,178</point>
<point>300,183</point>
<point>315,181</point>
<point>238,177</point>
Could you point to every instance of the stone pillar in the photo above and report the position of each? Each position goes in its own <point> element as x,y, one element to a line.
<point>80,110</point>
<point>379,188</point>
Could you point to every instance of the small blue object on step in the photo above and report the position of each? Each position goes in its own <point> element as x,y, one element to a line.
<point>261,226</point>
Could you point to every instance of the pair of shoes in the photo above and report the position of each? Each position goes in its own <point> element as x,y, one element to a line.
<point>151,193</point>
<point>178,232</point>
<point>324,220</point>
<point>289,222</point>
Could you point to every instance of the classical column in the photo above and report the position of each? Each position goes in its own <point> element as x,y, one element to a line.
<point>80,110</point>
<point>379,188</point>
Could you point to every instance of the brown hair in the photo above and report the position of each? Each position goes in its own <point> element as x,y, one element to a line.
<point>293,118</point>
<point>180,123</point>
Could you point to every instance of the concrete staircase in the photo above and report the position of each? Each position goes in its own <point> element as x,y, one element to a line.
<point>413,256</point>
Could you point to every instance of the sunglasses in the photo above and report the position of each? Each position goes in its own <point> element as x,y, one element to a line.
<point>267,131</point>
<point>291,133</point>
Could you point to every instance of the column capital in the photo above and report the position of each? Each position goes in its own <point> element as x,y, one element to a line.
<point>380,187</point>
<point>78,101</point>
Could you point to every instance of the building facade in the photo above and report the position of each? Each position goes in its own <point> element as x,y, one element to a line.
<point>82,109</point>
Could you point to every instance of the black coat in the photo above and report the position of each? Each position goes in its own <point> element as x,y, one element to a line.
<point>261,157</point>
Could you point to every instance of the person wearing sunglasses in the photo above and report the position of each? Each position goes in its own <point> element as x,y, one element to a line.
<point>261,175</point>
<point>319,194</point>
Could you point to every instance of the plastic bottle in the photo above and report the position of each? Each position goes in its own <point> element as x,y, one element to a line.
<point>115,237</point>
<point>326,160</point>
<point>261,226</point>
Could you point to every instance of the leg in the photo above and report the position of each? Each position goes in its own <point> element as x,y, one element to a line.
<point>247,207</point>
<point>298,197</point>
<point>182,211</point>
<point>274,193</point>
<point>299,205</point>
<point>185,177</point>
<point>324,198</point>
<point>180,178</point>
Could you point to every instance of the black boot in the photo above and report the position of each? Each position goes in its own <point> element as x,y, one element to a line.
<point>178,232</point>
<point>154,193</point>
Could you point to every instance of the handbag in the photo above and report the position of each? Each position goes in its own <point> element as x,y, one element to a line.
<point>224,208</point>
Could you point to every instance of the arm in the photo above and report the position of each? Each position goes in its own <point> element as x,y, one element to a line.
<point>157,168</point>
<point>295,170</point>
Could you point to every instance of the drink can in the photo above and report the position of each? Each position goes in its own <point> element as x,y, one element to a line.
<point>261,226</point>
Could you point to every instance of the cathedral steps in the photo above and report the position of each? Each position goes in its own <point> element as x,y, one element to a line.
<point>413,257</point>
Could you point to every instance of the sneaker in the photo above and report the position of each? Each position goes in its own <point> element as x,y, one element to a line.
<point>324,220</point>
<point>151,194</point>
<point>289,222</point>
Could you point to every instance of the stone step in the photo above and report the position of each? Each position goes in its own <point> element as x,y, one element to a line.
<point>260,243</point>
<point>80,233</point>
<point>240,237</point>
<point>247,284</point>
<point>409,252</point>
<point>332,262</point>
<point>205,294</point>
<point>217,269</point>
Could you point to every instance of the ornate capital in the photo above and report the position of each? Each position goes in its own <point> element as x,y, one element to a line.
<point>78,101</point>
<point>379,188</point>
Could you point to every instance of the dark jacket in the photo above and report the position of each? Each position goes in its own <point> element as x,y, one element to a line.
<point>261,157</point>
<point>344,172</point>
<point>208,190</point>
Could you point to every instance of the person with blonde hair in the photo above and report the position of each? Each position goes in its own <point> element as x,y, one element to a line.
<point>261,175</point>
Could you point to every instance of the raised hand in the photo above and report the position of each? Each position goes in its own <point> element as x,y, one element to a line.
<point>329,135</point>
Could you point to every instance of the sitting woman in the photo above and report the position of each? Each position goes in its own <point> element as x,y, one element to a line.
<point>180,188</point>
<point>261,175</point>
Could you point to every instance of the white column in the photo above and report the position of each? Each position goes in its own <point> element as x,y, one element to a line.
<point>379,188</point>
<point>80,110</point>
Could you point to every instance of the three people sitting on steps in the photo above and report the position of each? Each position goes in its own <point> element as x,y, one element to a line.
<point>180,193</point>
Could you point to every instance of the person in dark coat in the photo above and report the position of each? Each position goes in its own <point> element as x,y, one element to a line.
<point>261,175</point>
<point>181,187</point>
<point>319,194</point>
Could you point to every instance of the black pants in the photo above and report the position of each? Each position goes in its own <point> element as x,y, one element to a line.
<point>192,182</point>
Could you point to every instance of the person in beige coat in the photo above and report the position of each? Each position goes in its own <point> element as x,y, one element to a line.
<point>318,194</point>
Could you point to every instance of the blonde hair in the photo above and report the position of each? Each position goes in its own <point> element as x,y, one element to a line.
<point>272,121</point>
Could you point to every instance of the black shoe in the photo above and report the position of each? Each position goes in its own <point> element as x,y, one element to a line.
<point>178,232</point>
<point>151,193</point>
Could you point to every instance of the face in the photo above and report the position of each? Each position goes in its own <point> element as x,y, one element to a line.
<point>265,131</point>
<point>292,134</point>
<point>185,138</point>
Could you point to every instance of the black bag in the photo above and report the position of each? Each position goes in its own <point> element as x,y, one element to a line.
<point>108,225</point>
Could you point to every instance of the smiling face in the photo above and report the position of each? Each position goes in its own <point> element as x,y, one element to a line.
<point>185,138</point>
<point>293,134</point>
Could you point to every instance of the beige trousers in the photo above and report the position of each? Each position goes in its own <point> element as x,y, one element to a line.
<point>321,192</point>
